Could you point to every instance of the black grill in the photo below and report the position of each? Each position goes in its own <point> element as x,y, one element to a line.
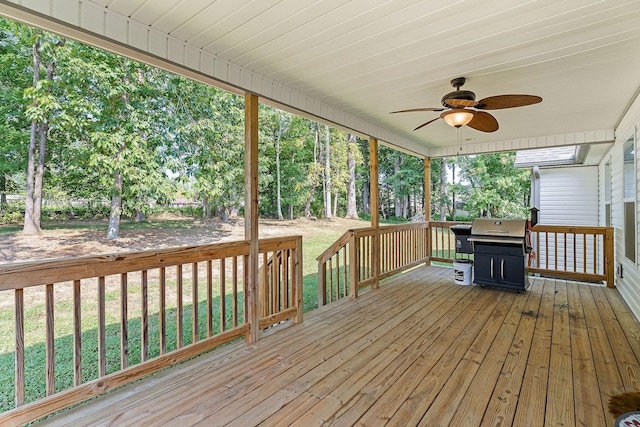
<point>500,253</point>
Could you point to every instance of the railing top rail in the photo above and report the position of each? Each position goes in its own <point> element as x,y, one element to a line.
<point>570,229</point>
<point>407,226</point>
<point>278,243</point>
<point>447,223</point>
<point>335,246</point>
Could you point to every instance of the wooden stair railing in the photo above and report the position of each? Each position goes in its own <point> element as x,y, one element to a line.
<point>333,282</point>
<point>348,264</point>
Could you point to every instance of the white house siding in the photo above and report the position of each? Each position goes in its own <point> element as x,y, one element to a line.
<point>568,196</point>
<point>629,284</point>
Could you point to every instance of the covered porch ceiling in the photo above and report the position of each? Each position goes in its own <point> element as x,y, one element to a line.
<point>352,62</point>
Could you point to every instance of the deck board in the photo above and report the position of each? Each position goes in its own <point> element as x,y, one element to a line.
<point>418,351</point>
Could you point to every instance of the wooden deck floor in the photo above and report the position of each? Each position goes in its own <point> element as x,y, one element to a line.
<point>418,351</point>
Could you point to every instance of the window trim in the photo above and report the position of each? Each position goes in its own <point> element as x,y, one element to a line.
<point>630,248</point>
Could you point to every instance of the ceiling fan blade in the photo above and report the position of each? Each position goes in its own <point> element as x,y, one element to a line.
<point>411,110</point>
<point>483,122</point>
<point>424,124</point>
<point>499,102</point>
<point>456,103</point>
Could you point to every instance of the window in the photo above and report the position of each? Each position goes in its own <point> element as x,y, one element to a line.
<point>607,194</point>
<point>629,198</point>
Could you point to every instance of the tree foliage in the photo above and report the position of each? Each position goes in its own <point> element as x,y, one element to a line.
<point>121,131</point>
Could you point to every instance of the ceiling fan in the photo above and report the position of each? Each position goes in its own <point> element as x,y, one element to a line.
<point>461,108</point>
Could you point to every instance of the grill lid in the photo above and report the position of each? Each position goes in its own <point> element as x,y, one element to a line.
<point>499,227</point>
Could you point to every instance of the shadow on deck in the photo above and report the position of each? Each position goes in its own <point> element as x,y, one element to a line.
<point>418,351</point>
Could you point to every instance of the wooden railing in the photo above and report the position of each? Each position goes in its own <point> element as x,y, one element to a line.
<point>280,278</point>
<point>403,247</point>
<point>131,314</point>
<point>352,262</point>
<point>443,241</point>
<point>578,253</point>
<point>333,269</point>
<point>573,252</point>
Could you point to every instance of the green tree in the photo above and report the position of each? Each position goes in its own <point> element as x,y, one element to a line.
<point>14,79</point>
<point>495,185</point>
<point>210,143</point>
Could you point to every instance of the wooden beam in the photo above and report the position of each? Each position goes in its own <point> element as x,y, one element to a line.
<point>251,211</point>
<point>375,219</point>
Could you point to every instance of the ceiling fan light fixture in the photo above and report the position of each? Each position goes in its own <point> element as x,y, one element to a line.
<point>458,117</point>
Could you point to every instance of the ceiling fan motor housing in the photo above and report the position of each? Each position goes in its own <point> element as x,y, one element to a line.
<point>466,95</point>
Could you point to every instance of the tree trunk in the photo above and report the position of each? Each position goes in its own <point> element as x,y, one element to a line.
<point>443,190</point>
<point>307,206</point>
<point>3,190</point>
<point>206,209</point>
<point>222,212</point>
<point>397,204</point>
<point>352,207</point>
<point>279,197</point>
<point>39,178</point>
<point>335,204</point>
<point>140,216</point>
<point>116,207</point>
<point>454,210</point>
<point>31,223</point>
<point>365,198</point>
<point>327,173</point>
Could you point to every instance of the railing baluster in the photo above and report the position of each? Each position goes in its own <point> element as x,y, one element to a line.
<point>566,267</point>
<point>584,249</point>
<point>195,326</point>
<point>179,308</point>
<point>555,250</point>
<point>77,333</point>
<point>286,295</point>
<point>144,315</point>
<point>50,341</point>
<point>338,273</point>
<point>209,298</point>
<point>235,291</point>
<point>345,272</point>
<point>102,329</point>
<point>19,363</point>
<point>264,291</point>
<point>223,297</point>
<point>595,254</point>
<point>124,322</point>
<point>546,235</point>
<point>163,310</point>
<point>575,254</point>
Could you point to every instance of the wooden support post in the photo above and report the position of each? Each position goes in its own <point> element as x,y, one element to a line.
<point>354,265</point>
<point>427,189</point>
<point>298,278</point>
<point>375,219</point>
<point>251,212</point>
<point>427,207</point>
<point>609,253</point>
